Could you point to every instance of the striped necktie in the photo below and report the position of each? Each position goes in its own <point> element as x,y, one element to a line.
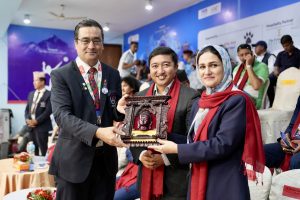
<point>35,103</point>
<point>94,87</point>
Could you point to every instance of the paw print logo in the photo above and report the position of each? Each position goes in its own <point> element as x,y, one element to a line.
<point>248,37</point>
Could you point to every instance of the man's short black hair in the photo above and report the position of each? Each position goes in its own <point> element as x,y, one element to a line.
<point>188,52</point>
<point>244,46</point>
<point>43,80</point>
<point>134,42</point>
<point>143,62</point>
<point>286,39</point>
<point>87,23</point>
<point>182,76</point>
<point>164,51</point>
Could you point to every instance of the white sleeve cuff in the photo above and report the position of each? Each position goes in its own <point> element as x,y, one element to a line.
<point>141,154</point>
<point>165,159</point>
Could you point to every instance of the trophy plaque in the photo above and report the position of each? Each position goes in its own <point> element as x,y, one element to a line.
<point>145,120</point>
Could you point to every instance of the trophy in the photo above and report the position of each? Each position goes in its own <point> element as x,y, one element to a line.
<point>145,120</point>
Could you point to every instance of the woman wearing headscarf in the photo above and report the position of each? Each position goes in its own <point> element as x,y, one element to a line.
<point>224,134</point>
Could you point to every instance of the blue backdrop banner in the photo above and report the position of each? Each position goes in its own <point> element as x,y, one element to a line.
<point>181,29</point>
<point>35,49</point>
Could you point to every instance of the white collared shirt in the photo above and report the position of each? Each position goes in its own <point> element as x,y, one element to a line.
<point>166,90</point>
<point>271,61</point>
<point>35,101</point>
<point>84,68</point>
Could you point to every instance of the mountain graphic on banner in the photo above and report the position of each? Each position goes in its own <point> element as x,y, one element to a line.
<point>28,53</point>
<point>52,45</point>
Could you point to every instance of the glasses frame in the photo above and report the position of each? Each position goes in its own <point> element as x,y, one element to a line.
<point>87,41</point>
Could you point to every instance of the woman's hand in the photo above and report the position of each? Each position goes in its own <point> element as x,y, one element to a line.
<point>297,145</point>
<point>288,140</point>
<point>122,104</point>
<point>166,147</point>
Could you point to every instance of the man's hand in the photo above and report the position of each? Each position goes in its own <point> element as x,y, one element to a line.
<point>276,71</point>
<point>34,122</point>
<point>31,123</point>
<point>151,160</point>
<point>122,104</point>
<point>109,135</point>
<point>147,160</point>
<point>28,121</point>
<point>158,161</point>
<point>250,59</point>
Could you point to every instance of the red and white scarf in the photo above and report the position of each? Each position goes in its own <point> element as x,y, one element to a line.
<point>253,148</point>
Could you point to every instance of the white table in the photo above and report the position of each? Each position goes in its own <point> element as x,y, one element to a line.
<point>12,180</point>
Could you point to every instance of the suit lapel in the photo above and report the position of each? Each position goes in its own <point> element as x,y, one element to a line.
<point>81,83</point>
<point>43,98</point>
<point>31,100</point>
<point>104,83</point>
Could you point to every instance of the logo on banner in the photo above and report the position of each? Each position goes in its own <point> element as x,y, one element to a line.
<point>248,38</point>
<point>210,10</point>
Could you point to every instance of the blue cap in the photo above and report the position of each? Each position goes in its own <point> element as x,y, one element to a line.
<point>261,43</point>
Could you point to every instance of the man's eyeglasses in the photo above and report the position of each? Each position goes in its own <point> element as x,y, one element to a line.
<point>86,41</point>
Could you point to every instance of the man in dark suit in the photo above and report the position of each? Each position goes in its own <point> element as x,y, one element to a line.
<point>163,63</point>
<point>84,97</point>
<point>37,113</point>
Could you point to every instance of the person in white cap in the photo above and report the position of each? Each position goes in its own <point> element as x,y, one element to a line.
<point>37,113</point>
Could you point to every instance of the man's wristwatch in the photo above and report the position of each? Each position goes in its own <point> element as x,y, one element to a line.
<point>248,66</point>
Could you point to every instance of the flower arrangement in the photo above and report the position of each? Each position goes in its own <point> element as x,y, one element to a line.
<point>23,157</point>
<point>42,194</point>
<point>22,161</point>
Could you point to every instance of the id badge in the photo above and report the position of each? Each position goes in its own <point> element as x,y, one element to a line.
<point>98,113</point>
<point>43,104</point>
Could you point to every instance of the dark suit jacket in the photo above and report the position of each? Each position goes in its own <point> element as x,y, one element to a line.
<point>75,114</point>
<point>175,177</point>
<point>42,112</point>
<point>223,151</point>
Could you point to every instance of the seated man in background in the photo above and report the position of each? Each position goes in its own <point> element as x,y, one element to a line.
<point>285,153</point>
<point>189,60</point>
<point>262,55</point>
<point>126,183</point>
<point>23,137</point>
<point>289,57</point>
<point>190,70</point>
<point>142,71</point>
<point>251,75</point>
